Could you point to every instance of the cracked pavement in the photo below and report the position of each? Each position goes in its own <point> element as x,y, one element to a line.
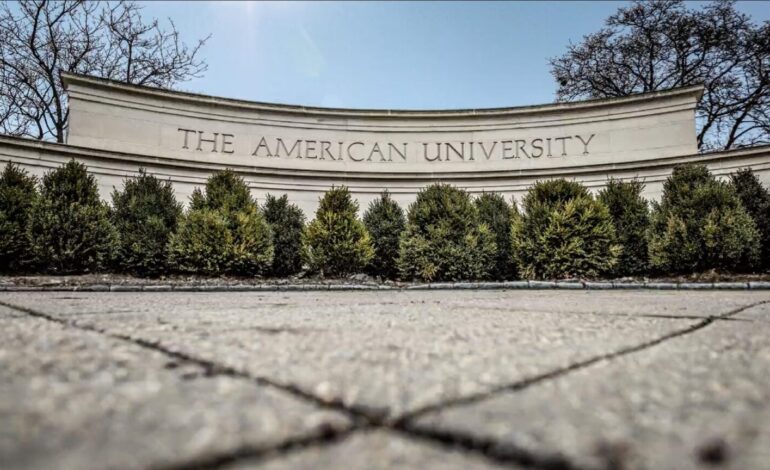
<point>429,379</point>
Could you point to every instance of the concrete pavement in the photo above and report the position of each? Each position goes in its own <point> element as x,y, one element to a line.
<point>436,379</point>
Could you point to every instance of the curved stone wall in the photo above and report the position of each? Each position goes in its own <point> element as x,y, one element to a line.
<point>117,128</point>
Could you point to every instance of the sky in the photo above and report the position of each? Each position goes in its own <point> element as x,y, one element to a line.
<point>387,55</point>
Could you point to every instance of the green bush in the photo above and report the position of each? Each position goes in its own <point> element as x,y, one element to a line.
<point>246,249</point>
<point>225,192</point>
<point>498,216</point>
<point>563,232</point>
<point>70,230</point>
<point>631,218</point>
<point>252,243</point>
<point>700,224</point>
<point>202,244</point>
<point>336,242</point>
<point>385,221</point>
<point>145,215</point>
<point>756,200</point>
<point>287,222</point>
<point>18,193</point>
<point>444,239</point>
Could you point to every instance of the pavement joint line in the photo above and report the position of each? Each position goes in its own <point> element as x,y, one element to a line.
<point>211,368</point>
<point>600,314</point>
<point>519,385</point>
<point>495,451</point>
<point>361,418</point>
<point>257,454</point>
<point>370,418</point>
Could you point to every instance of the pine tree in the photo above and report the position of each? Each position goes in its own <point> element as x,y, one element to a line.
<point>336,242</point>
<point>287,221</point>
<point>444,239</point>
<point>631,217</point>
<point>70,229</point>
<point>145,215</point>
<point>563,232</point>
<point>385,221</point>
<point>18,194</point>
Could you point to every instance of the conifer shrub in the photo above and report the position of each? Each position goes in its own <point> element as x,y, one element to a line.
<point>444,238</point>
<point>145,215</point>
<point>70,228</point>
<point>287,222</point>
<point>246,246</point>
<point>18,193</point>
<point>700,224</point>
<point>225,192</point>
<point>202,244</point>
<point>253,249</point>
<point>384,219</point>
<point>336,242</point>
<point>497,214</point>
<point>756,200</point>
<point>563,232</point>
<point>631,218</point>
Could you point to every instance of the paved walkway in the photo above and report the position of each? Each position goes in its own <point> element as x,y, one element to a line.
<point>362,380</point>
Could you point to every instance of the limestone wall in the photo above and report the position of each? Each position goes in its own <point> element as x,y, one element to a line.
<point>115,129</point>
<point>304,188</point>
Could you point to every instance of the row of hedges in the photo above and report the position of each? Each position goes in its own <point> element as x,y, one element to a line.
<point>562,231</point>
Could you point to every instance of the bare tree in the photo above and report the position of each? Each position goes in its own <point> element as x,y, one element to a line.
<point>657,45</point>
<point>40,39</point>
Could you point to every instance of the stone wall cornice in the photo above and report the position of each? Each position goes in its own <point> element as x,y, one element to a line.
<point>179,98</point>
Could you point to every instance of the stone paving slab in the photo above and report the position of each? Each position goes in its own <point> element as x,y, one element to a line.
<point>72,399</point>
<point>389,354</point>
<point>606,378</point>
<point>631,302</point>
<point>696,401</point>
<point>7,313</point>
<point>760,313</point>
<point>376,450</point>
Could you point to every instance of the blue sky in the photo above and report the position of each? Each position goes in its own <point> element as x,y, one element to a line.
<point>395,55</point>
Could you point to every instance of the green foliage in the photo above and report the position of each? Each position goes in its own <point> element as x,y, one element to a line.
<point>444,239</point>
<point>498,216</point>
<point>631,218</point>
<point>145,215</point>
<point>700,224</point>
<point>287,222</point>
<point>246,246</point>
<point>563,232</point>
<point>18,193</point>
<point>252,243</point>
<point>70,230</point>
<point>336,242</point>
<point>202,244</point>
<point>756,200</point>
<point>225,191</point>
<point>385,221</point>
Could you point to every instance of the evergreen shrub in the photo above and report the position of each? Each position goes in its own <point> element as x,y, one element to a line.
<point>145,215</point>
<point>700,224</point>
<point>631,218</point>
<point>563,232</point>
<point>70,228</point>
<point>18,193</point>
<point>287,222</point>
<point>444,239</point>
<point>336,242</point>
<point>246,246</point>
<point>385,221</point>
<point>498,215</point>
<point>202,244</point>
<point>756,200</point>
